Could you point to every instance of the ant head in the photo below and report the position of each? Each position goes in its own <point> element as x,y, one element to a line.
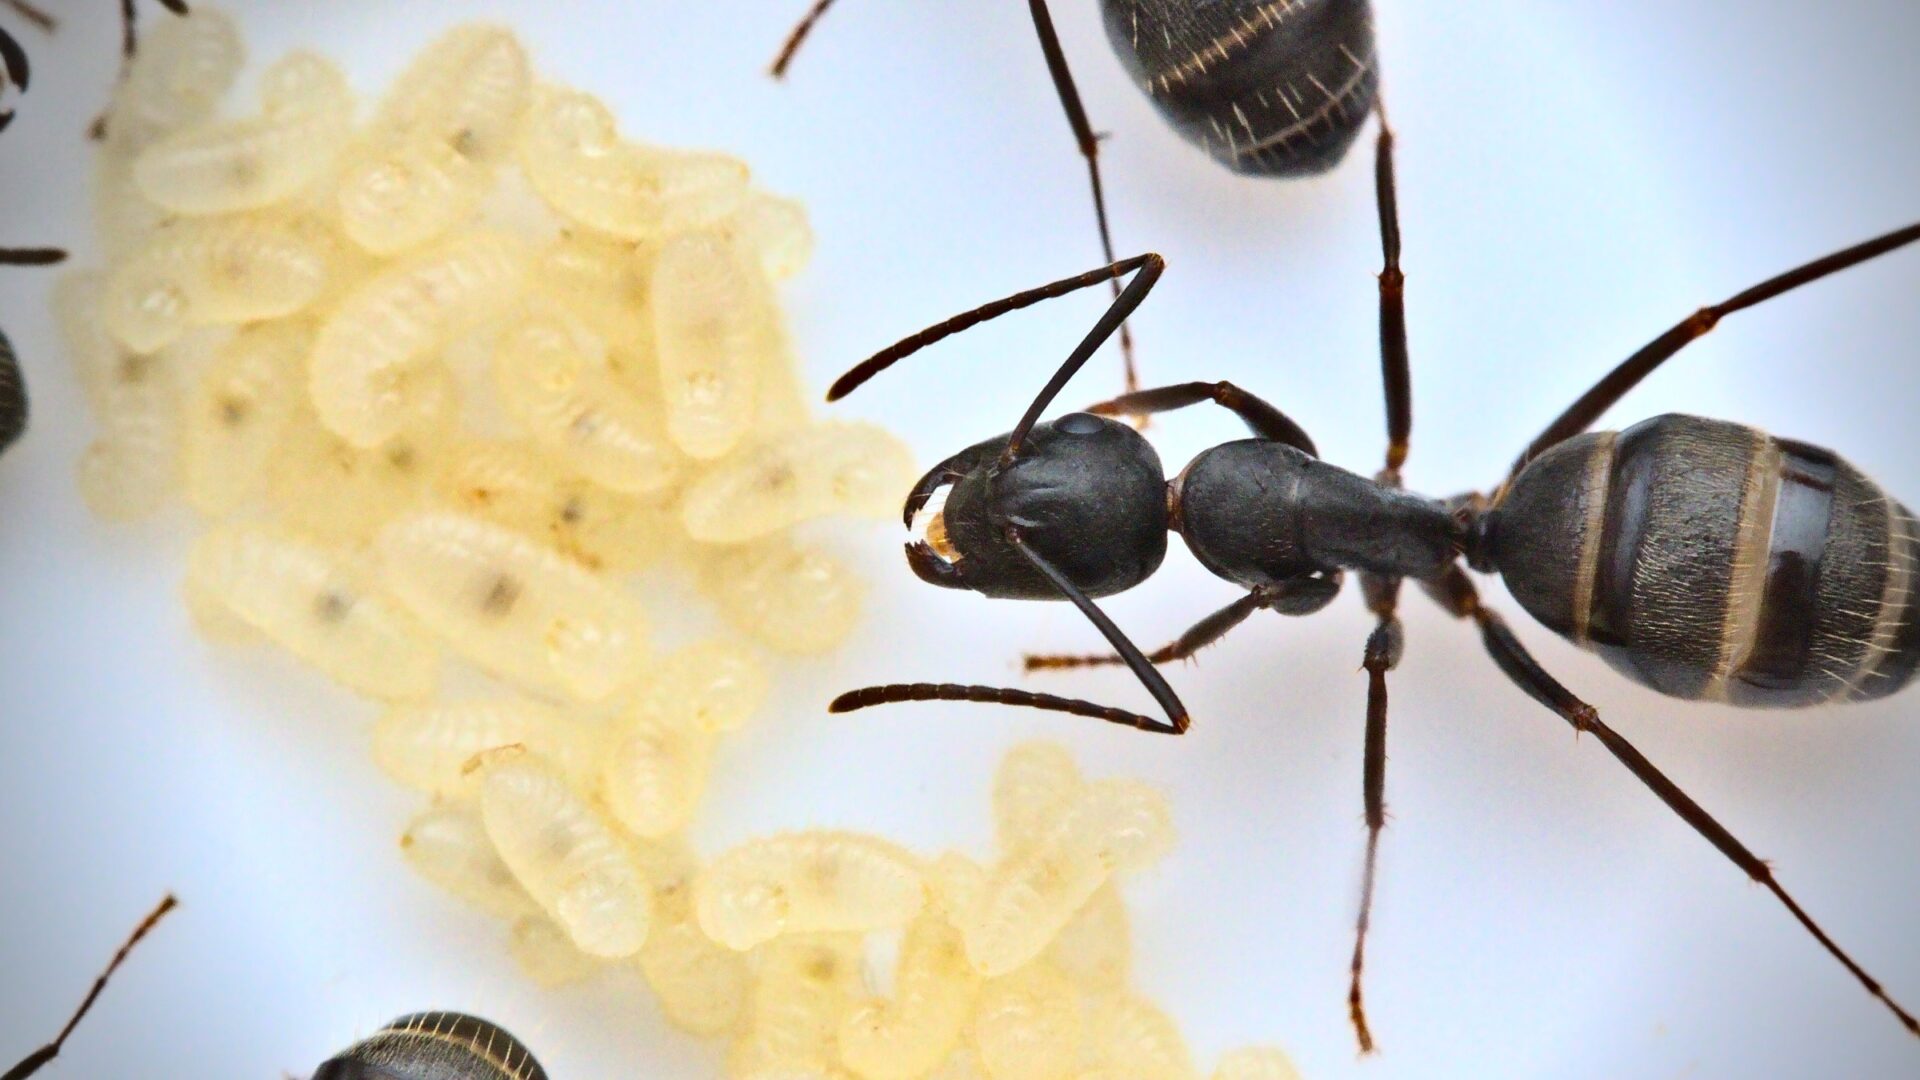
<point>1084,492</point>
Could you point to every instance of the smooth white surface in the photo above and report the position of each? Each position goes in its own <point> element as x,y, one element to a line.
<point>1574,177</point>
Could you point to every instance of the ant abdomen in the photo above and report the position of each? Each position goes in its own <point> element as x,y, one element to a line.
<point>1268,88</point>
<point>1713,561</point>
<point>429,1046</point>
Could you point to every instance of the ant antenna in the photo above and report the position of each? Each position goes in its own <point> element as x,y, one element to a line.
<point>31,256</point>
<point>797,38</point>
<point>33,1062</point>
<point>34,15</point>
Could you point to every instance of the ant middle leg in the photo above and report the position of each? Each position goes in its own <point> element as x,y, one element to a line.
<point>1260,417</point>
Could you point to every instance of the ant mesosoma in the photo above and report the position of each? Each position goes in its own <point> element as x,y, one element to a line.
<point>1274,88</point>
<point>1707,560</point>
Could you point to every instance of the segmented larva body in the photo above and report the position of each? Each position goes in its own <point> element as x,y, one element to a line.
<point>1112,825</point>
<point>654,773</point>
<point>807,882</point>
<point>607,284</point>
<point>239,411</point>
<point>934,988</point>
<point>807,983</point>
<point>397,196</point>
<point>962,1064</point>
<point>132,466</point>
<point>1256,1063</point>
<point>716,334</point>
<point>546,955</point>
<point>311,602</point>
<point>712,685</point>
<point>213,272</point>
<point>448,845</point>
<point>467,90</point>
<point>323,485</point>
<point>513,607</point>
<point>777,230</point>
<point>1036,781</point>
<point>790,599</point>
<point>1129,1038</point>
<point>573,155</point>
<point>831,468</point>
<point>1027,1025</point>
<point>568,858</point>
<point>510,484</point>
<point>429,746</point>
<point>259,161</point>
<point>956,882</point>
<point>364,367</point>
<point>183,68</point>
<point>574,409</point>
<point>1095,949</point>
<point>704,987</point>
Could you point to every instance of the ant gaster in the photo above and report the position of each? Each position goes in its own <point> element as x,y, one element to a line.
<point>1704,559</point>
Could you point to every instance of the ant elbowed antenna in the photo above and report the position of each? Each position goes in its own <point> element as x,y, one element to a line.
<point>35,1061</point>
<point>1707,560</point>
<point>1274,88</point>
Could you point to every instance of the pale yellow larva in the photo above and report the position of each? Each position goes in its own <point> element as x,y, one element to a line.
<point>311,602</point>
<point>395,197</point>
<point>807,984</point>
<point>238,412</point>
<point>1095,949</point>
<point>934,988</point>
<point>428,746</point>
<point>776,229</point>
<point>259,161</point>
<point>213,271</point>
<point>805,882</point>
<point>514,607</point>
<point>448,845</point>
<point>792,599</point>
<point>1027,1026</point>
<point>716,331</point>
<point>467,90</point>
<point>654,772</point>
<point>365,361</point>
<point>547,956</point>
<point>323,485</point>
<point>573,155</point>
<point>704,987</point>
<point>1256,1063</point>
<point>605,283</point>
<point>572,861</point>
<point>1035,781</point>
<point>1129,1038</point>
<point>183,68</point>
<point>713,685</point>
<point>132,466</point>
<point>962,1064</point>
<point>834,468</point>
<point>558,388</point>
<point>509,484</point>
<point>956,883</point>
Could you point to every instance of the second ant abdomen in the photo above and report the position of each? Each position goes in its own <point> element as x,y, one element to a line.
<point>1267,87</point>
<point>1713,561</point>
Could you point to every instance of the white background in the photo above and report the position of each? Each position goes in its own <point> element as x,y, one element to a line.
<point>1574,177</point>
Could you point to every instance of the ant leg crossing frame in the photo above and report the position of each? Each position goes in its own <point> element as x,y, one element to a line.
<point>31,256</point>
<point>797,38</point>
<point>1206,631</point>
<point>1260,417</point>
<point>1454,592</point>
<point>33,1062</point>
<point>1582,413</point>
<point>47,23</point>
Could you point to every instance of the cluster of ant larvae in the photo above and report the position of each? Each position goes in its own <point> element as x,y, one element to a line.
<point>443,381</point>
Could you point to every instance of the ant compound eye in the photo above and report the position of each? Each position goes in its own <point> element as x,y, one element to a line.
<point>1079,424</point>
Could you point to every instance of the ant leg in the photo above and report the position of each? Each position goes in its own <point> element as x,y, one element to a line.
<point>1394,367</point>
<point>1582,413</point>
<point>1299,596</point>
<point>33,1062</point>
<point>31,256</point>
<point>797,38</point>
<point>1261,418</point>
<point>1457,594</point>
<point>1382,655</point>
<point>34,15</point>
<point>1089,144</point>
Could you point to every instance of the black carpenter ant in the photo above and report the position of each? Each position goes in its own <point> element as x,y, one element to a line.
<point>1707,560</point>
<point>13,385</point>
<point>35,1061</point>
<point>1274,88</point>
<point>435,1046</point>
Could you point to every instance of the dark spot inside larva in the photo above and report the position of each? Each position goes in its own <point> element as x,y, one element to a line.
<point>234,411</point>
<point>133,368</point>
<point>501,595</point>
<point>823,967</point>
<point>402,457</point>
<point>332,606</point>
<point>573,511</point>
<point>243,172</point>
<point>465,143</point>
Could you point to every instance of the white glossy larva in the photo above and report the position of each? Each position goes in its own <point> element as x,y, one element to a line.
<point>713,685</point>
<point>512,606</point>
<point>547,956</point>
<point>365,361</point>
<point>132,465</point>
<point>962,1064</point>
<point>605,283</point>
<point>214,271</point>
<point>428,746</point>
<point>957,882</point>
<point>1027,1026</point>
<point>703,986</point>
<point>397,196</point>
<point>183,68</point>
<point>1256,1063</point>
<point>807,983</point>
<point>572,154</point>
<point>716,331</point>
<point>791,599</point>
<point>654,772</point>
<point>572,407</point>
<point>832,468</point>
<point>259,161</point>
<point>1095,949</point>
<point>323,485</point>
<point>807,882</point>
<point>238,412</point>
<point>309,600</point>
<point>1126,824</point>
<point>1133,1039</point>
<point>776,229</point>
<point>448,845</point>
<point>570,859</point>
<point>934,988</point>
<point>509,484</point>
<point>1035,782</point>
<point>466,90</point>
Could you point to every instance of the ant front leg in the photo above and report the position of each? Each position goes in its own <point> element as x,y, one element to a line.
<point>1301,596</point>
